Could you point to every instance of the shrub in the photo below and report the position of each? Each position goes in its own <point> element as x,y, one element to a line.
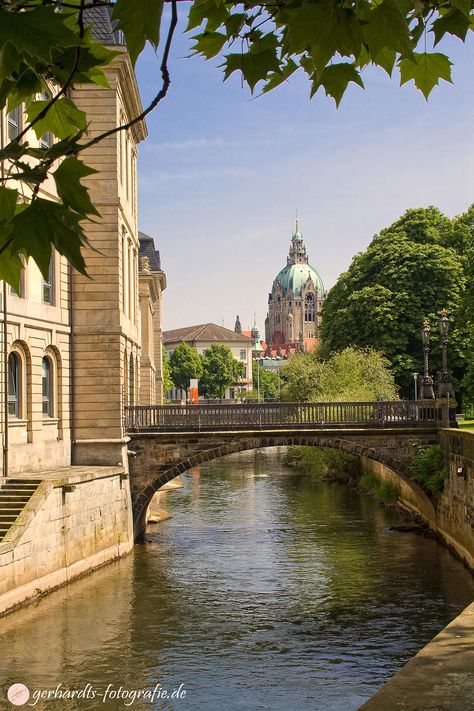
<point>429,469</point>
<point>321,461</point>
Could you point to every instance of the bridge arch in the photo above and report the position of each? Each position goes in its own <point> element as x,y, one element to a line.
<point>147,477</point>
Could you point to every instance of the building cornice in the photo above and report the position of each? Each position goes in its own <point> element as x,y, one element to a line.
<point>130,94</point>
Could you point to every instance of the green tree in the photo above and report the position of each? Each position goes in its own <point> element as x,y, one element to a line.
<point>406,275</point>
<point>166,372</point>
<point>462,239</point>
<point>220,369</point>
<point>268,380</point>
<point>185,364</point>
<point>48,44</point>
<point>353,375</point>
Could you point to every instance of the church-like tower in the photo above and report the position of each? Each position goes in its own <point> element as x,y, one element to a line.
<point>295,301</point>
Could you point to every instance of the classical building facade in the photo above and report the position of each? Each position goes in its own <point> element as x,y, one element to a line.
<point>294,303</point>
<point>152,282</point>
<point>72,353</point>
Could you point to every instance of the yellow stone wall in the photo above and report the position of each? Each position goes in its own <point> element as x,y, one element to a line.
<point>106,333</point>
<point>91,332</point>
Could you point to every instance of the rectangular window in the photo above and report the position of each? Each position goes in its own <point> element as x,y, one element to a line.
<point>46,140</point>
<point>243,354</point>
<point>14,123</point>
<point>48,284</point>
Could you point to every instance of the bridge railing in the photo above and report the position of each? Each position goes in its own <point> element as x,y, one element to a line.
<point>285,415</point>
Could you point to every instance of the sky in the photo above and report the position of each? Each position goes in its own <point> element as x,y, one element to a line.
<point>222,174</point>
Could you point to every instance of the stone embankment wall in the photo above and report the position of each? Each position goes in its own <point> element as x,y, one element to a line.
<point>452,515</point>
<point>69,527</point>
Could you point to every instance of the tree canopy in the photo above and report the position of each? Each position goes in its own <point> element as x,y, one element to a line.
<point>220,369</point>
<point>353,375</point>
<point>268,380</point>
<point>47,48</point>
<point>408,274</point>
<point>185,364</point>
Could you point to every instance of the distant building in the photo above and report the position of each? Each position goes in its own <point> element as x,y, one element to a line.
<point>257,347</point>
<point>152,282</point>
<point>294,304</point>
<point>202,337</point>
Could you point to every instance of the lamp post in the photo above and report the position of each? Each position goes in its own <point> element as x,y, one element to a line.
<point>445,379</point>
<point>258,381</point>
<point>415,382</point>
<point>427,392</point>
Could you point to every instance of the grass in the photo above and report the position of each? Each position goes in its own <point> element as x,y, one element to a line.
<point>466,424</point>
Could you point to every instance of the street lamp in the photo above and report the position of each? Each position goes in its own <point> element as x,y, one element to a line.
<point>445,379</point>
<point>427,392</point>
<point>415,381</point>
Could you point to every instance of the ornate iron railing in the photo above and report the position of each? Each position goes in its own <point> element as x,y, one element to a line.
<point>285,415</point>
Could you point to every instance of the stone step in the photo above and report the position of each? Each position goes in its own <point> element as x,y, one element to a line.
<point>14,495</point>
<point>18,485</point>
<point>18,498</point>
<point>26,488</point>
<point>21,492</point>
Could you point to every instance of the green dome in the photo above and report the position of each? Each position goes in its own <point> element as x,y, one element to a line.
<point>295,276</point>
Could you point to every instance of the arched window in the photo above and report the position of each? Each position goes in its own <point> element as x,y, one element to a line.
<point>14,385</point>
<point>47,388</point>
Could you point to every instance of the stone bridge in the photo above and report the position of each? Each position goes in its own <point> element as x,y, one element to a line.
<point>166,441</point>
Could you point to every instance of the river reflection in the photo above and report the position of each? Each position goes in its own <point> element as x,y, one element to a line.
<point>266,590</point>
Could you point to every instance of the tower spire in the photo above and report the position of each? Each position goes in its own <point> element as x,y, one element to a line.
<point>297,234</point>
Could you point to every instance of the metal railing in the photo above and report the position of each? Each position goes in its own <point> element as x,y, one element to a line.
<point>286,415</point>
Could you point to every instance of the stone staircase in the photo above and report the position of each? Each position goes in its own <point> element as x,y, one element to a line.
<point>14,495</point>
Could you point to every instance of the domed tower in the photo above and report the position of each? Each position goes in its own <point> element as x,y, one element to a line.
<point>295,301</point>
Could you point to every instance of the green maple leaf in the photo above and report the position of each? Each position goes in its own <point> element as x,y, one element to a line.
<point>324,29</point>
<point>386,28</point>
<point>36,31</point>
<point>208,43</point>
<point>386,59</point>
<point>454,23</point>
<point>425,71</point>
<point>276,78</point>
<point>464,5</point>
<point>139,22</point>
<point>43,223</point>
<point>254,65</point>
<point>63,118</point>
<point>213,11</point>
<point>334,79</point>
<point>70,190</point>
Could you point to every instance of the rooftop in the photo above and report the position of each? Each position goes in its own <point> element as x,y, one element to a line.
<point>102,29</point>
<point>147,249</point>
<point>207,332</point>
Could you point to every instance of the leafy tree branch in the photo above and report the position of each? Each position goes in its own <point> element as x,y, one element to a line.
<point>46,46</point>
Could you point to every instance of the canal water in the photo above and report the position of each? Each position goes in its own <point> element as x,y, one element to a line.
<point>267,590</point>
